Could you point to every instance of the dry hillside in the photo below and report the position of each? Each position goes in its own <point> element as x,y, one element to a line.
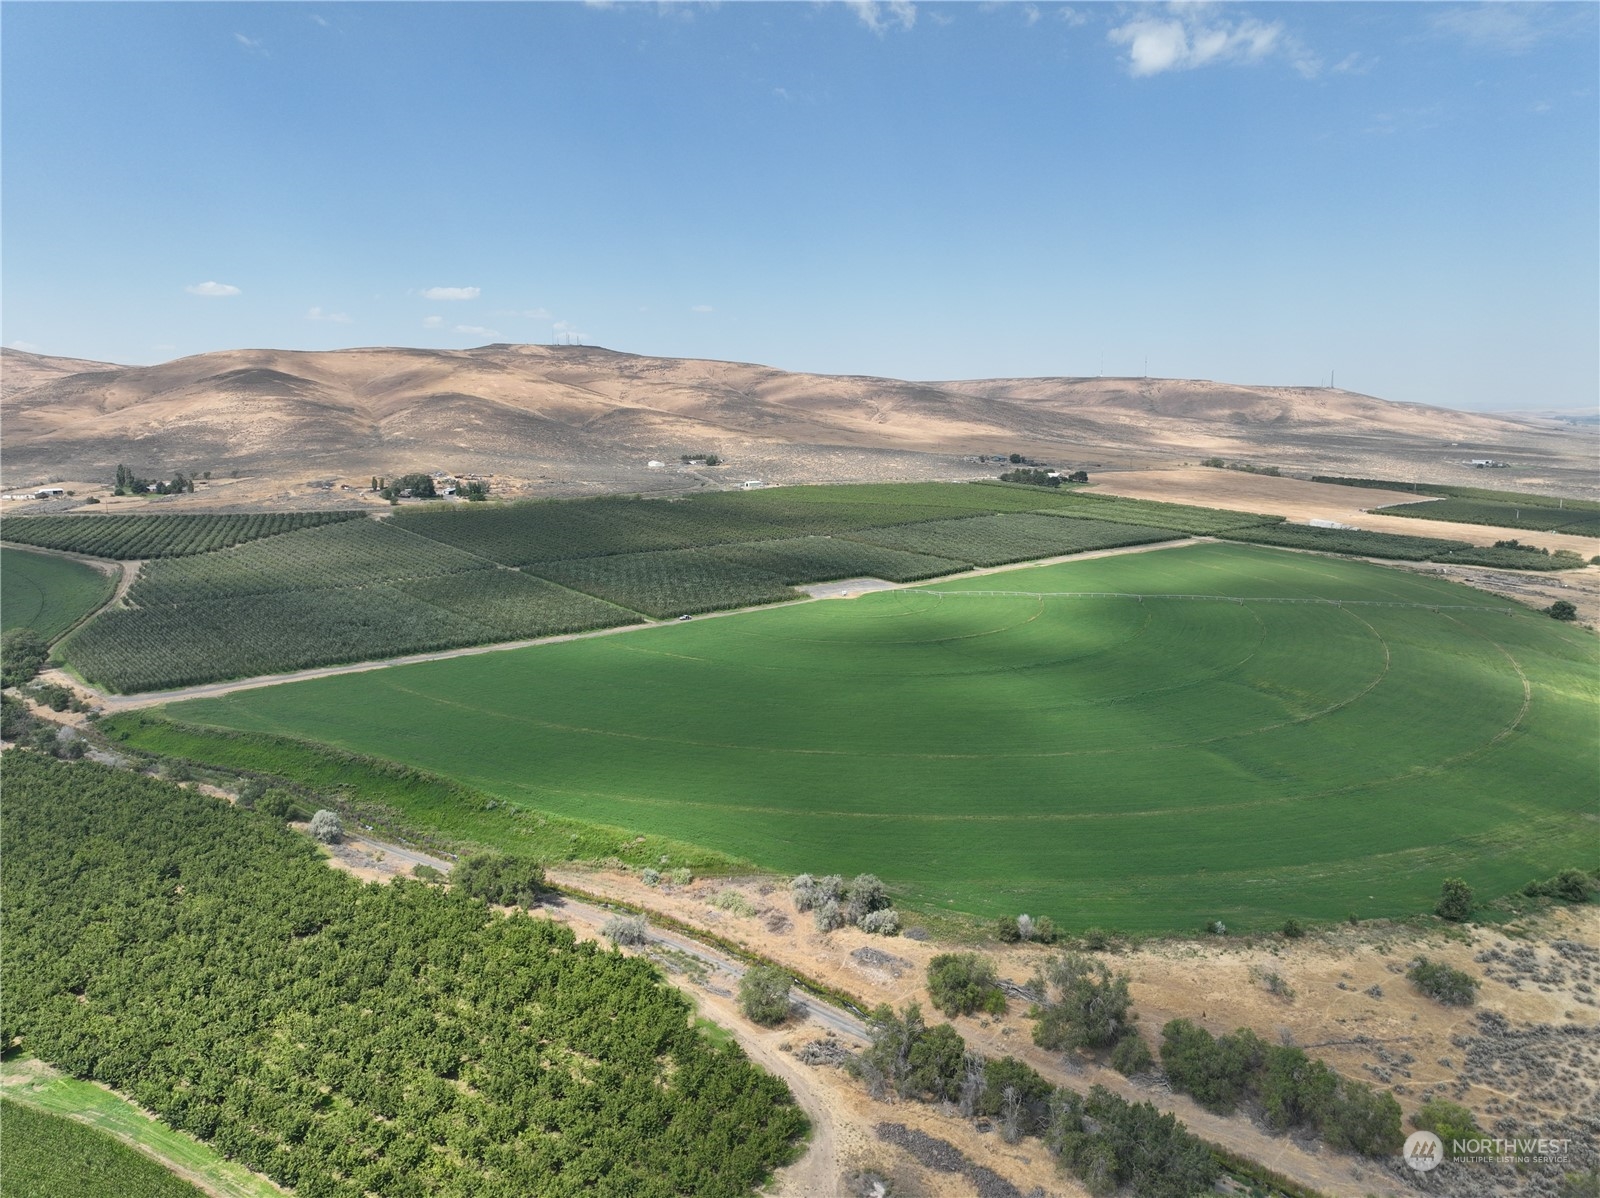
<point>574,418</point>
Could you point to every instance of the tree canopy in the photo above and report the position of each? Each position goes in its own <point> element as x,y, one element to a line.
<point>344,1038</point>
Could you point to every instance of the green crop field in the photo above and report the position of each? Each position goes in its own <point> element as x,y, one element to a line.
<point>159,536</point>
<point>1503,514</point>
<point>1074,745</point>
<point>351,591</point>
<point>825,559</point>
<point>1011,537</point>
<point>50,1156</point>
<point>1154,514</point>
<point>48,594</point>
<point>1348,540</point>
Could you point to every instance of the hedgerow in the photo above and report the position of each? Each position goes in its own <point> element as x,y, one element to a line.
<point>125,537</point>
<point>349,1039</point>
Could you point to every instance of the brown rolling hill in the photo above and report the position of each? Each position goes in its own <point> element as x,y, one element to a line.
<point>563,418</point>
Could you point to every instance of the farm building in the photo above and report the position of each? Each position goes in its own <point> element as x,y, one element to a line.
<point>751,484</point>
<point>1330,524</point>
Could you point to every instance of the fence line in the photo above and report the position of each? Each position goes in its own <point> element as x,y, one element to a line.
<point>1230,599</point>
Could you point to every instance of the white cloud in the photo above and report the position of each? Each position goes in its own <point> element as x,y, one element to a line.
<point>1030,14</point>
<point>1191,36</point>
<point>1354,63</point>
<point>323,21</point>
<point>1511,28</point>
<point>537,313</point>
<point>477,330</point>
<point>433,322</point>
<point>212,289</point>
<point>330,317</point>
<point>879,17</point>
<point>702,308</point>
<point>27,347</point>
<point>451,293</point>
<point>253,44</point>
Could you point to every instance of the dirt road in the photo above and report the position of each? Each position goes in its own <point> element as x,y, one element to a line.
<point>817,1173</point>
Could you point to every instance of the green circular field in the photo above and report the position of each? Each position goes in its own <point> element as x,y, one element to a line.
<point>1143,763</point>
<point>47,593</point>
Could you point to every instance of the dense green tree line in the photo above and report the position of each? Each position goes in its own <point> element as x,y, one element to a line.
<point>349,1039</point>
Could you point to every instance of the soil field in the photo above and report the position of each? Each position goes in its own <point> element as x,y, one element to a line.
<point>1149,764</point>
<point>48,593</point>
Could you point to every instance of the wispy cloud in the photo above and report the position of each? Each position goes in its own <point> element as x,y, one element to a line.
<point>882,16</point>
<point>27,347</point>
<point>451,293</point>
<point>316,20</point>
<point>477,330</point>
<point>1354,63</point>
<point>254,45</point>
<point>702,308</point>
<point>1198,35</point>
<point>433,322</point>
<point>212,289</point>
<point>1508,28</point>
<point>330,317</point>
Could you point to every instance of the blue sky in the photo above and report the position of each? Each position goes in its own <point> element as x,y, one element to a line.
<point>1404,194</point>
